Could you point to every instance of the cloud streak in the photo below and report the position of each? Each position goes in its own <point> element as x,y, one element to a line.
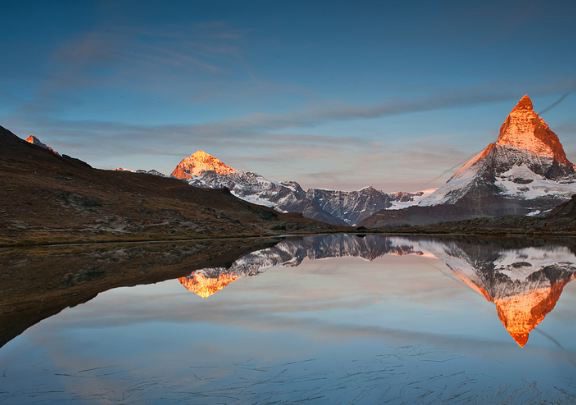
<point>259,140</point>
<point>256,124</point>
<point>134,57</point>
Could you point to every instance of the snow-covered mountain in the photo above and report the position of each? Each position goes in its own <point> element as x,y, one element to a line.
<point>523,281</point>
<point>524,172</point>
<point>335,207</point>
<point>355,206</point>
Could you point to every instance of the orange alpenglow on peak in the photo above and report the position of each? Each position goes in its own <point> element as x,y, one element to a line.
<point>521,313</point>
<point>204,286</point>
<point>35,141</point>
<point>524,129</point>
<point>525,103</point>
<point>198,163</point>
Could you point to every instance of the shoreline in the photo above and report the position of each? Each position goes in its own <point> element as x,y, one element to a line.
<point>486,234</point>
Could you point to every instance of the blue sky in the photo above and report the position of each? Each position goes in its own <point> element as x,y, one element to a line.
<point>332,94</point>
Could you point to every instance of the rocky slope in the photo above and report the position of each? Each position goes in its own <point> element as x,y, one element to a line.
<point>51,198</point>
<point>560,221</point>
<point>331,206</point>
<point>525,171</point>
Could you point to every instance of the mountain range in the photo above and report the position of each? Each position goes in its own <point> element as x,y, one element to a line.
<point>334,207</point>
<point>523,281</point>
<point>525,172</point>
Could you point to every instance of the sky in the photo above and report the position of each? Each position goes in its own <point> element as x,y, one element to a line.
<point>332,94</point>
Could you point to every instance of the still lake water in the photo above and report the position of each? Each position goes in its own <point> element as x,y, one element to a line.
<point>320,319</point>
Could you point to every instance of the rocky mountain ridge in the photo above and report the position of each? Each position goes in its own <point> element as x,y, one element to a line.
<point>331,206</point>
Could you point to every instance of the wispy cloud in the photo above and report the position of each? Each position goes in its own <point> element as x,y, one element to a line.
<point>126,56</point>
<point>258,140</point>
<point>254,125</point>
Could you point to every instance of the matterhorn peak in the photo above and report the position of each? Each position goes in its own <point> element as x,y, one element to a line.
<point>525,103</point>
<point>525,130</point>
<point>198,163</point>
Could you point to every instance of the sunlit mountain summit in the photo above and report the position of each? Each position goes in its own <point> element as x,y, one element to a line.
<point>524,172</point>
<point>198,163</point>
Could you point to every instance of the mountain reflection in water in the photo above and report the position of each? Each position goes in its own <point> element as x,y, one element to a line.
<point>382,320</point>
<point>524,283</point>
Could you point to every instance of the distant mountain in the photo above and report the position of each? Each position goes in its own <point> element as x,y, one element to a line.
<point>334,207</point>
<point>198,163</point>
<point>152,171</point>
<point>523,281</point>
<point>35,141</point>
<point>524,172</point>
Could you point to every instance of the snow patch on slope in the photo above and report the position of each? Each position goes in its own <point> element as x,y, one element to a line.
<point>521,182</point>
<point>519,264</point>
<point>416,199</point>
<point>453,189</point>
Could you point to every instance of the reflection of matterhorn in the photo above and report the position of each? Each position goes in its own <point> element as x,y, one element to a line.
<point>523,282</point>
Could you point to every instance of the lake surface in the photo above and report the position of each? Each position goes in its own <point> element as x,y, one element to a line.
<point>320,319</point>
